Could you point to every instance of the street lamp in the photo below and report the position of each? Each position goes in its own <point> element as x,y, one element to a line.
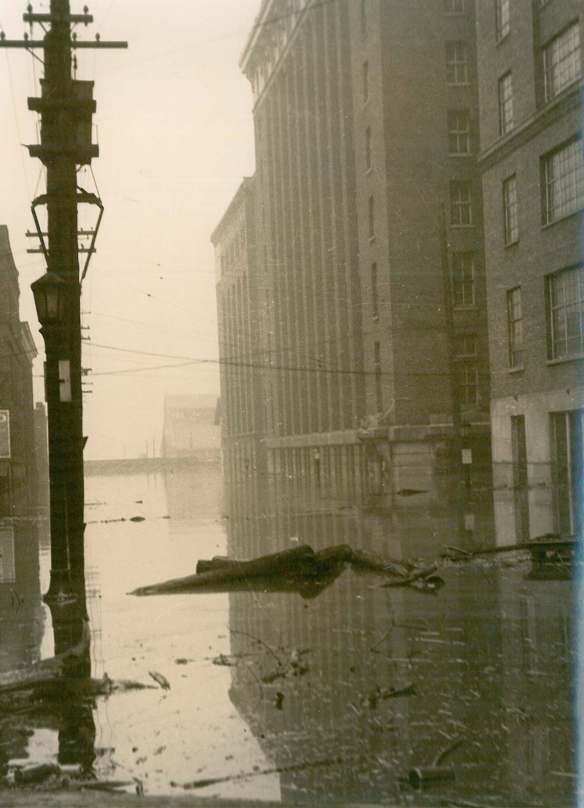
<point>49,298</point>
<point>51,293</point>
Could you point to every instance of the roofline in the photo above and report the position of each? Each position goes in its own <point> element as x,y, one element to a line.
<point>231,208</point>
<point>254,33</point>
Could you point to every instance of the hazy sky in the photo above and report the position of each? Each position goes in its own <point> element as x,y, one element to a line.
<point>175,130</point>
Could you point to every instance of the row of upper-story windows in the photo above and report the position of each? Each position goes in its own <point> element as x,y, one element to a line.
<point>561,66</point>
<point>562,189</point>
<point>564,301</point>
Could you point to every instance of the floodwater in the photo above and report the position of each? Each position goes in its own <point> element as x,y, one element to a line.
<point>325,695</point>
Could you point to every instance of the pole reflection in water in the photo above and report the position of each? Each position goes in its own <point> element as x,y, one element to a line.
<point>57,720</point>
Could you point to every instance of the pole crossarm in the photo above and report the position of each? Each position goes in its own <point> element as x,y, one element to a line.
<point>25,44</point>
<point>76,44</point>
<point>84,19</point>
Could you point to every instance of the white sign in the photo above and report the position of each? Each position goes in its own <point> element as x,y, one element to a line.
<point>5,434</point>
<point>64,380</point>
<point>466,457</point>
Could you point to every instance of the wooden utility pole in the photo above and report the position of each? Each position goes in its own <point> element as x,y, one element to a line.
<point>66,107</point>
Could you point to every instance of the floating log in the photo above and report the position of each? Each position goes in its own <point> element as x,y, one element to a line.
<point>371,562</point>
<point>286,562</point>
<point>420,574</point>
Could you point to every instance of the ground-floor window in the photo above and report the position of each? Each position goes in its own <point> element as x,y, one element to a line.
<point>567,466</point>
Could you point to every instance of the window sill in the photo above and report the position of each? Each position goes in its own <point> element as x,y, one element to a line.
<point>510,244</point>
<point>371,239</point>
<point>369,171</point>
<point>563,359</point>
<point>465,84</point>
<point>462,226</point>
<point>460,154</point>
<point>518,369</point>
<point>566,88</point>
<point>502,39</point>
<point>465,307</point>
<point>562,218</point>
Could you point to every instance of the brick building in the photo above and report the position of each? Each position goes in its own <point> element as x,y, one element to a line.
<point>18,478</point>
<point>529,57</point>
<point>420,243</point>
<point>368,240</point>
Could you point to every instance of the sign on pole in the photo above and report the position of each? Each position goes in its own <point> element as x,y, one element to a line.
<point>4,434</point>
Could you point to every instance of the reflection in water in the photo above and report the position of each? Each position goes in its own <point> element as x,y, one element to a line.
<point>489,659</point>
<point>63,720</point>
<point>335,693</point>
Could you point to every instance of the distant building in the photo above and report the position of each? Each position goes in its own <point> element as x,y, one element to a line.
<point>530,76</point>
<point>368,243</point>
<point>41,449</point>
<point>190,428</point>
<point>18,479</point>
<point>245,334</point>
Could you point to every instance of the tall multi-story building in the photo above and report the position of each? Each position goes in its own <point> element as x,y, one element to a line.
<point>18,480</point>
<point>420,243</point>
<point>530,76</point>
<point>369,239</point>
<point>389,138</point>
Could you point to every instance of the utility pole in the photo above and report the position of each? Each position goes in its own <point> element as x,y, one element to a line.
<point>66,107</point>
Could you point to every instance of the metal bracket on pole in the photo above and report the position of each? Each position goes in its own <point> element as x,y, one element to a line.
<point>90,199</point>
<point>40,200</point>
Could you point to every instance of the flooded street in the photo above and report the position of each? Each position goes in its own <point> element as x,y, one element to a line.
<point>330,693</point>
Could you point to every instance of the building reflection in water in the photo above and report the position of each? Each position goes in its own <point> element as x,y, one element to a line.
<point>63,721</point>
<point>489,657</point>
<point>193,491</point>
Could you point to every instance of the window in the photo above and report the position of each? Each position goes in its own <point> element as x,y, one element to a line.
<point>460,203</point>
<point>463,291</point>
<point>502,18</point>
<point>378,384</point>
<point>468,384</point>
<point>371,217</point>
<point>561,61</point>
<point>457,63</point>
<point>454,6</point>
<point>368,147</point>
<point>566,313</point>
<point>365,82</point>
<point>458,131</point>
<point>505,104</point>
<point>374,293</point>
<point>515,327</point>
<point>563,181</point>
<point>510,211</point>
<point>465,346</point>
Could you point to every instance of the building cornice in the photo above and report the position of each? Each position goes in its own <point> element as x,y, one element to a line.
<point>568,101</point>
<point>270,40</point>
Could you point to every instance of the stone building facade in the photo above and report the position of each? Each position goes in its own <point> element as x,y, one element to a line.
<point>18,474</point>
<point>530,76</point>
<point>368,242</point>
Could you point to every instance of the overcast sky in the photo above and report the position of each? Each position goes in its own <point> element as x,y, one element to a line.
<point>175,131</point>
